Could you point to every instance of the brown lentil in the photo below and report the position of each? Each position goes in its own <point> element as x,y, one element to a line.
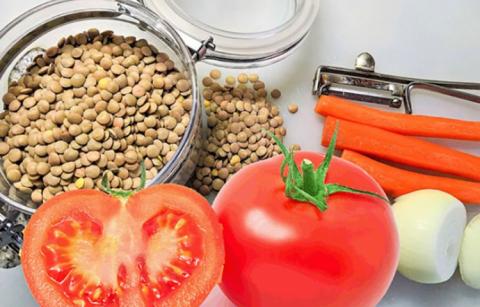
<point>276,94</point>
<point>215,74</point>
<point>293,108</point>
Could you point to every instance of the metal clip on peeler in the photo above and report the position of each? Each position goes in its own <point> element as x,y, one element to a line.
<point>364,84</point>
<point>10,234</point>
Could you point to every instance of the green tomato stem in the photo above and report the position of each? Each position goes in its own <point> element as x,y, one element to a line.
<point>310,184</point>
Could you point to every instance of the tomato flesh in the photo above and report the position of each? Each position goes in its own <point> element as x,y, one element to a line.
<point>176,240</point>
<point>78,282</point>
<point>124,253</point>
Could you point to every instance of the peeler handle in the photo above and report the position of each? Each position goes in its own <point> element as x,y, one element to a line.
<point>441,89</point>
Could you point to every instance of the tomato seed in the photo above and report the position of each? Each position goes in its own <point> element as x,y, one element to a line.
<point>80,303</point>
<point>59,272</point>
<point>176,269</point>
<point>59,234</point>
<point>180,224</point>
<point>96,294</point>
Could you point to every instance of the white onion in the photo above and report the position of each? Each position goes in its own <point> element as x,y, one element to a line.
<point>470,254</point>
<point>430,225</point>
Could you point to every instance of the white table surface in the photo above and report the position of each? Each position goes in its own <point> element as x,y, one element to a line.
<point>429,39</point>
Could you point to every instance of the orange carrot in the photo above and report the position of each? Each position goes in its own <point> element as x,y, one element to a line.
<point>403,149</point>
<point>397,181</point>
<point>419,125</point>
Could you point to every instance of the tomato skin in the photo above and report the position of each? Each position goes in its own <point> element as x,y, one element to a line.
<point>280,252</point>
<point>140,208</point>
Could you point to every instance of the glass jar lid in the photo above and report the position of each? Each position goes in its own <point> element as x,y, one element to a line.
<point>247,33</point>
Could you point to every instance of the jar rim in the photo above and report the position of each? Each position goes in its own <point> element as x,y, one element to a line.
<point>240,49</point>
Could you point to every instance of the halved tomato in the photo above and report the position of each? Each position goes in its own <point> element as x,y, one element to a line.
<point>163,246</point>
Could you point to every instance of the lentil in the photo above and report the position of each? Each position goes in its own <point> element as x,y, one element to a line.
<point>276,94</point>
<point>293,108</point>
<point>215,74</point>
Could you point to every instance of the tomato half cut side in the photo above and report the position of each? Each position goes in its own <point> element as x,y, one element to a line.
<point>161,247</point>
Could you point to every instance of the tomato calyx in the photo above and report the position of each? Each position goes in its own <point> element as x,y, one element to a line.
<point>309,185</point>
<point>124,194</point>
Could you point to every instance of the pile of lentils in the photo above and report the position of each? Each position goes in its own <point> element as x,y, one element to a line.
<point>95,103</point>
<point>239,115</point>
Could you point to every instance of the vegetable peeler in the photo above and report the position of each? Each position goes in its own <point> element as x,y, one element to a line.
<point>364,84</point>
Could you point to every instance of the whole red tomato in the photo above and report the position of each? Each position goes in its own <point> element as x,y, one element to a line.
<point>284,252</point>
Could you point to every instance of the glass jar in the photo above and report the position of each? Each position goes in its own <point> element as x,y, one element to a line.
<point>171,29</point>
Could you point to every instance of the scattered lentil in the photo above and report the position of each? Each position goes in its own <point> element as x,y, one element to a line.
<point>276,94</point>
<point>293,108</point>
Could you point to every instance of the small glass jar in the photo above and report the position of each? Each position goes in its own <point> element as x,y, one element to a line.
<point>172,27</point>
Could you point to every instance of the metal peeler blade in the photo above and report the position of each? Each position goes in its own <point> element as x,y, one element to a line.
<point>364,84</point>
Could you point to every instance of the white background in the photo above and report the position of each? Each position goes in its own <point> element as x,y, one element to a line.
<point>429,39</point>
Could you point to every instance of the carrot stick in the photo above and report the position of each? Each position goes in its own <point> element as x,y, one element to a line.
<point>403,149</point>
<point>419,125</point>
<point>397,181</point>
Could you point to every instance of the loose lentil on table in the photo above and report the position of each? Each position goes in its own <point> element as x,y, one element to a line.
<point>293,108</point>
<point>276,94</point>
<point>95,102</point>
<point>238,118</point>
